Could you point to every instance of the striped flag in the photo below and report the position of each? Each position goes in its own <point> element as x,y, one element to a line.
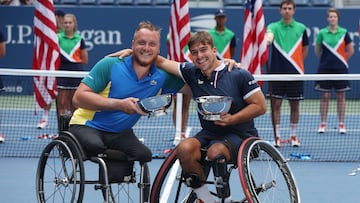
<point>46,52</point>
<point>179,30</point>
<point>254,51</point>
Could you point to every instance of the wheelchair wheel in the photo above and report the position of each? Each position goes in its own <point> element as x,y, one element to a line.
<point>139,183</point>
<point>264,173</point>
<point>60,174</point>
<point>169,184</point>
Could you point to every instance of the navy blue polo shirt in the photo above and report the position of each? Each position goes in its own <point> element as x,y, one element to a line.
<point>238,84</point>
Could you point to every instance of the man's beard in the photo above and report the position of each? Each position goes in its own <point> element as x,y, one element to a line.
<point>142,62</point>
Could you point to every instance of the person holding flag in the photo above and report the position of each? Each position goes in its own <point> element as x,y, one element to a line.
<point>285,36</point>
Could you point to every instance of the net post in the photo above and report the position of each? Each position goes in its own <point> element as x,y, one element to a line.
<point>178,118</point>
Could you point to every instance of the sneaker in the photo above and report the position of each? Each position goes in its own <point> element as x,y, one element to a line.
<point>2,138</point>
<point>43,136</point>
<point>277,142</point>
<point>295,142</point>
<point>322,128</point>
<point>342,129</point>
<point>55,136</point>
<point>42,124</point>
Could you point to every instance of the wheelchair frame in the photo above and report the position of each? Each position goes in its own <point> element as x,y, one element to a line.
<point>264,174</point>
<point>61,171</point>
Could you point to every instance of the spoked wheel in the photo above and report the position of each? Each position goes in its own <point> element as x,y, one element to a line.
<point>136,183</point>
<point>264,173</point>
<point>169,184</point>
<point>60,174</point>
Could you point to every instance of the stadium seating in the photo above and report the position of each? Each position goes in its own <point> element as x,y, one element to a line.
<point>124,2</point>
<point>162,2</point>
<point>107,2</point>
<point>68,1</point>
<point>234,2</point>
<point>143,2</point>
<point>90,2</point>
<point>303,2</point>
<point>321,3</point>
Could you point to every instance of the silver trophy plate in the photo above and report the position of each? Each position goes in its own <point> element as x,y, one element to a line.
<point>156,105</point>
<point>212,107</point>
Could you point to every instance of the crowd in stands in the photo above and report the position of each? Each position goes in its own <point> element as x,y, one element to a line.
<point>225,3</point>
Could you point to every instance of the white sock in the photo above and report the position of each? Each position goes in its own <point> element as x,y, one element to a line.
<point>45,115</point>
<point>293,128</point>
<point>203,193</point>
<point>277,130</point>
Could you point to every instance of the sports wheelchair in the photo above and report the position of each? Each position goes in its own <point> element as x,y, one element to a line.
<point>61,176</point>
<point>264,174</point>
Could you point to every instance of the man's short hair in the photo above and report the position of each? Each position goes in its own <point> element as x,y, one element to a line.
<point>60,13</point>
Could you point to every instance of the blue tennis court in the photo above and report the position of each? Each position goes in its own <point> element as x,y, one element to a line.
<point>318,181</point>
<point>323,178</point>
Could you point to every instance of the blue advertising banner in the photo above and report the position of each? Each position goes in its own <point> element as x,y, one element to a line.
<point>110,28</point>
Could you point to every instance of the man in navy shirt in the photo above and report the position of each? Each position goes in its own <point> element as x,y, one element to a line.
<point>209,76</point>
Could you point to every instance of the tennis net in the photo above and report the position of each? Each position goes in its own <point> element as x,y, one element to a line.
<point>19,122</point>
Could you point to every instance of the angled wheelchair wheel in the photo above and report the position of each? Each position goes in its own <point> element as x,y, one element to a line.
<point>169,184</point>
<point>264,173</point>
<point>60,174</point>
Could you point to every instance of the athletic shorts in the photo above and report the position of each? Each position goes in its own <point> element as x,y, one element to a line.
<point>328,85</point>
<point>231,140</point>
<point>292,90</point>
<point>68,83</point>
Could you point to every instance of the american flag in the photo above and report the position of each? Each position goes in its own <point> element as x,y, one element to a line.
<point>46,52</point>
<point>179,30</point>
<point>254,51</point>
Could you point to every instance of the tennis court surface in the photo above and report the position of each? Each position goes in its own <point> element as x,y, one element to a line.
<point>319,182</point>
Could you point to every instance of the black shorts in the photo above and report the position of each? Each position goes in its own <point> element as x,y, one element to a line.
<point>292,90</point>
<point>231,140</point>
<point>328,85</point>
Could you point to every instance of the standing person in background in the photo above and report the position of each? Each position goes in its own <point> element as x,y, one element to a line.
<point>333,47</point>
<point>289,49</point>
<point>59,17</point>
<point>2,54</point>
<point>224,38</point>
<point>73,56</point>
